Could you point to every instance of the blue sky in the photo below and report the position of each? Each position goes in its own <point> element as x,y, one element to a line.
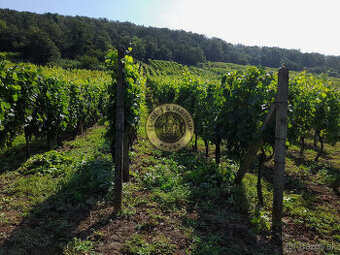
<point>308,25</point>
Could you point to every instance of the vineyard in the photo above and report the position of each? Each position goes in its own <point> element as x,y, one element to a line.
<point>232,107</point>
<point>57,169</point>
<point>51,103</point>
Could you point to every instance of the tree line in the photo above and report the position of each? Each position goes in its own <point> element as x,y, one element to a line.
<point>82,42</point>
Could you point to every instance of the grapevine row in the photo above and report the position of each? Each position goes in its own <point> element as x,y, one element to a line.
<point>234,109</point>
<point>48,103</point>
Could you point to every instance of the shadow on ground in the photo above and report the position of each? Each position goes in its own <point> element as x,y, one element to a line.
<point>11,160</point>
<point>50,225</point>
<point>315,167</point>
<point>222,224</point>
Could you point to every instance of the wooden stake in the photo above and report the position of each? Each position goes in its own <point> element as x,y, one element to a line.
<point>281,104</point>
<point>119,136</point>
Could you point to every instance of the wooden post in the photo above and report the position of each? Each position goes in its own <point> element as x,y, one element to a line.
<point>119,136</point>
<point>281,104</point>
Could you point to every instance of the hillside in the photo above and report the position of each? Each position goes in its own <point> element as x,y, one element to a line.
<point>82,42</point>
<point>209,71</point>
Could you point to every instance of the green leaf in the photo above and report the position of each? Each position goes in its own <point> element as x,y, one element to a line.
<point>5,105</point>
<point>15,97</point>
<point>15,77</point>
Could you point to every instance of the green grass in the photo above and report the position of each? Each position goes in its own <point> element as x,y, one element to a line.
<point>181,190</point>
<point>308,201</point>
<point>79,247</point>
<point>58,188</point>
<point>159,245</point>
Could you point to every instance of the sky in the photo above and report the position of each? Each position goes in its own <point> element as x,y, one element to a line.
<point>307,25</point>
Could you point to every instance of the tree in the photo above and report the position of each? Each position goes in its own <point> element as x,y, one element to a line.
<point>39,48</point>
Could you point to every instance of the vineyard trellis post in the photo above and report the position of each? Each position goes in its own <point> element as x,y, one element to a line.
<point>281,105</point>
<point>119,131</point>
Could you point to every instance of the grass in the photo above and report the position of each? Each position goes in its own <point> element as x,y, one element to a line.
<point>311,207</point>
<point>79,247</point>
<point>187,183</point>
<point>159,245</point>
<point>53,188</point>
<point>60,202</point>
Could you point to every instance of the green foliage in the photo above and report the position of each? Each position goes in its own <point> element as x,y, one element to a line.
<point>134,92</point>
<point>233,109</point>
<point>89,62</point>
<point>211,244</point>
<point>39,48</point>
<point>10,56</point>
<point>167,185</point>
<point>204,174</point>
<point>160,245</point>
<point>91,178</point>
<point>48,102</point>
<point>313,104</point>
<point>48,163</point>
<point>261,220</point>
<point>42,37</point>
<point>79,247</point>
<point>248,97</point>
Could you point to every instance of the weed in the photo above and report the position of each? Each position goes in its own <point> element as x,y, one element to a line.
<point>147,226</point>
<point>160,245</point>
<point>3,219</point>
<point>261,220</point>
<point>51,162</point>
<point>127,212</point>
<point>79,247</point>
<point>90,179</point>
<point>211,244</point>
